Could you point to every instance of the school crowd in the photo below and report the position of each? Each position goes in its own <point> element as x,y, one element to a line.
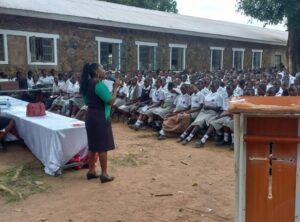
<point>188,104</point>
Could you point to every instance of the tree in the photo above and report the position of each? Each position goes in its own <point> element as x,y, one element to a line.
<point>161,5</point>
<point>274,12</point>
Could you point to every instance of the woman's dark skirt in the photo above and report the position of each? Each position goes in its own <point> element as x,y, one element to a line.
<point>99,131</point>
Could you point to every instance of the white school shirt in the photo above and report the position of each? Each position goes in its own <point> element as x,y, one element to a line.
<point>30,83</point>
<point>225,102</point>
<point>222,91</point>
<point>238,91</point>
<point>73,88</point>
<point>44,80</point>
<point>123,89</point>
<point>169,97</point>
<point>213,99</point>
<point>55,88</point>
<point>62,85</point>
<point>205,91</point>
<point>157,95</point>
<point>182,102</point>
<point>51,79</point>
<point>197,99</point>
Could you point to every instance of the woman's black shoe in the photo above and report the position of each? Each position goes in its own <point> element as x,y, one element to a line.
<point>105,179</point>
<point>90,176</point>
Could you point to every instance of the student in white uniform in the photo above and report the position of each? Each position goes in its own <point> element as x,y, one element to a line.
<point>213,103</point>
<point>217,123</point>
<point>145,112</point>
<point>30,82</point>
<point>182,104</point>
<point>238,91</point>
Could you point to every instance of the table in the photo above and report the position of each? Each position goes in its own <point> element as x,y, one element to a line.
<point>53,139</point>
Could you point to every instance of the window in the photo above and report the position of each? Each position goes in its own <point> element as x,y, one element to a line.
<point>277,60</point>
<point>216,61</point>
<point>256,59</point>
<point>3,49</point>
<point>177,57</point>
<point>146,55</point>
<point>109,53</point>
<point>238,59</point>
<point>42,49</point>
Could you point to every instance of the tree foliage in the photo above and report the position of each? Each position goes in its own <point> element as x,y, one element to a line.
<point>161,5</point>
<point>272,11</point>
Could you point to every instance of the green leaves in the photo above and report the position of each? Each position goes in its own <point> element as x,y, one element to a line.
<point>272,11</point>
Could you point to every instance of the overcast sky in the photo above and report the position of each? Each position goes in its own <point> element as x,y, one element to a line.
<point>224,10</point>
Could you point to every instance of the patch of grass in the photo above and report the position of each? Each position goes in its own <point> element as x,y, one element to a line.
<point>28,182</point>
<point>128,160</point>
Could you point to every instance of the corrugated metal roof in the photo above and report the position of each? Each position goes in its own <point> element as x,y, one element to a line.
<point>110,14</point>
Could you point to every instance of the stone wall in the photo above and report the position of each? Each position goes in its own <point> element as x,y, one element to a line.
<point>77,45</point>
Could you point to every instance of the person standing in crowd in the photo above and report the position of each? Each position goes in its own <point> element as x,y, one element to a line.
<point>98,125</point>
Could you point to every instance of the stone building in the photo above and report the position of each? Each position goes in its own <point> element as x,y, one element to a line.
<point>64,34</point>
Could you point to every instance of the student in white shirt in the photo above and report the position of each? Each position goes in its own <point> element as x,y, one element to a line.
<point>217,123</point>
<point>168,106</point>
<point>30,82</point>
<point>239,88</point>
<point>182,104</point>
<point>213,103</point>
<point>44,79</point>
<point>146,111</point>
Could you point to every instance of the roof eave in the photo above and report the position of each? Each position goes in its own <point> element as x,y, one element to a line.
<point>82,20</point>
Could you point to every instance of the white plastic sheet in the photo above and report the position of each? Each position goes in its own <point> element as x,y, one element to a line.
<point>53,139</point>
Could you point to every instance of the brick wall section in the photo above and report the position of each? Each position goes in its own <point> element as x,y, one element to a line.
<point>77,46</point>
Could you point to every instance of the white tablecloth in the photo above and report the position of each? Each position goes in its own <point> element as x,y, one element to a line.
<point>53,139</point>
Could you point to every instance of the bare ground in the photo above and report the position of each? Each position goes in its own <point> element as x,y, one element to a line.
<point>155,181</point>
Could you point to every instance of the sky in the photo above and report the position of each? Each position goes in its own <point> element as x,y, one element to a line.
<point>224,10</point>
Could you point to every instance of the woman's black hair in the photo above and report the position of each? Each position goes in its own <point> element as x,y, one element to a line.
<point>88,72</point>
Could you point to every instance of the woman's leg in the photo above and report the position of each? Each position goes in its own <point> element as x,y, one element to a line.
<point>92,162</point>
<point>103,163</point>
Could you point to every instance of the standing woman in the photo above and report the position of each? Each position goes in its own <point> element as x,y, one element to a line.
<point>97,122</point>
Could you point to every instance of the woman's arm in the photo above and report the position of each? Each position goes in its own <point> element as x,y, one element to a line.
<point>102,91</point>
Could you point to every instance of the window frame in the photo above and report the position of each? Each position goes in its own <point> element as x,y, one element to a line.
<point>180,46</point>
<point>261,55</point>
<point>274,58</point>
<point>212,48</point>
<point>109,41</point>
<point>243,56</point>
<point>149,44</point>
<point>5,48</point>
<point>41,35</point>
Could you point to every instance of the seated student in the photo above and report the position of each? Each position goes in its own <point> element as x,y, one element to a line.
<point>174,122</point>
<point>134,93</point>
<point>261,89</point>
<point>30,82</point>
<point>167,106</point>
<point>213,103</point>
<point>238,91</point>
<point>272,91</point>
<point>249,92</point>
<point>76,100</point>
<point>146,111</point>
<point>44,78</point>
<point>7,125</point>
<point>292,90</point>
<point>143,99</point>
<point>122,93</point>
<point>217,123</point>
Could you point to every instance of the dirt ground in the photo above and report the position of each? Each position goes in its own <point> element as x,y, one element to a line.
<point>155,181</point>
